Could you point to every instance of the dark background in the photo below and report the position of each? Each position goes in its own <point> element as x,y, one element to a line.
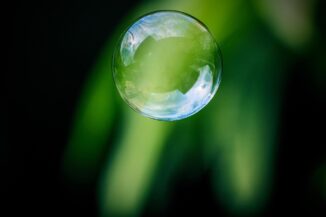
<point>52,46</point>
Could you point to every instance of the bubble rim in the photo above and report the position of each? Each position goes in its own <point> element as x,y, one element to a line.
<point>218,79</point>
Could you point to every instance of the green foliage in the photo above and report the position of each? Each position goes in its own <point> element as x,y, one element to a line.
<point>235,134</point>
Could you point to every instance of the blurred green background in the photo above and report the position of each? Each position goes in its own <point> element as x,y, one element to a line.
<point>72,147</point>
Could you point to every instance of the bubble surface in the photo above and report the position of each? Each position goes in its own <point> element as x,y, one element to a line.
<point>167,65</point>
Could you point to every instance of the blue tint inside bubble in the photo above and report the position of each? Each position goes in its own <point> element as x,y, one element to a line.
<point>167,65</point>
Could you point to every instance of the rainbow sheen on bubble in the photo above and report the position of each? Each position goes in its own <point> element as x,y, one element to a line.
<point>167,65</point>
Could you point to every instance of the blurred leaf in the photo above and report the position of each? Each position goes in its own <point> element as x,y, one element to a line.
<point>290,20</point>
<point>245,122</point>
<point>130,169</point>
<point>93,121</point>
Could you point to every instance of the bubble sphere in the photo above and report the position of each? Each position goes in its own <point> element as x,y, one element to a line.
<point>167,65</point>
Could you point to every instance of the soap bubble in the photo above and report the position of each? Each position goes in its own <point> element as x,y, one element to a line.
<point>167,65</point>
